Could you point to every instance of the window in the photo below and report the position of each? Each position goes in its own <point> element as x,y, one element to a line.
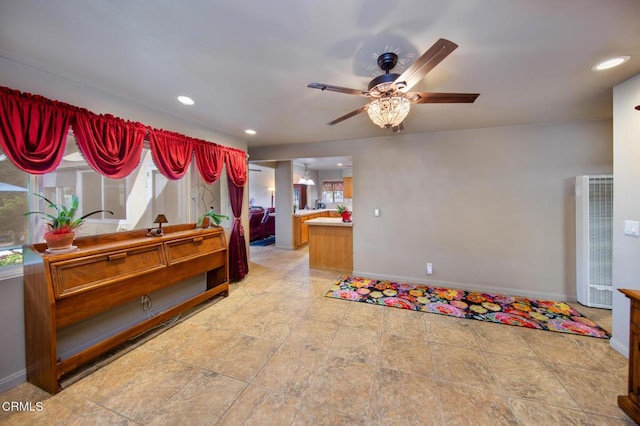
<point>332,191</point>
<point>135,200</point>
<point>13,204</point>
<point>101,193</point>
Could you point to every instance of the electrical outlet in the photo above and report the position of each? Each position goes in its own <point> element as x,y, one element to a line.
<point>429,268</point>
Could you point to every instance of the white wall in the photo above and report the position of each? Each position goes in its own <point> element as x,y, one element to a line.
<point>490,208</point>
<point>626,204</point>
<point>260,179</point>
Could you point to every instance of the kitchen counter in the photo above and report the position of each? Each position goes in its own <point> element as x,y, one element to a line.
<point>328,221</point>
<point>300,213</point>
<point>300,227</point>
<point>330,244</point>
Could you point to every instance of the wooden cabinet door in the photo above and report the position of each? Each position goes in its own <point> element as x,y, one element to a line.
<point>304,233</point>
<point>348,187</point>
<point>634,353</point>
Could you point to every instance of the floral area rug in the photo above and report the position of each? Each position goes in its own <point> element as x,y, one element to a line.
<point>512,310</point>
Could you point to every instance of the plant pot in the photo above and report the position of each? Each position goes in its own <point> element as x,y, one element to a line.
<point>346,216</point>
<point>59,241</point>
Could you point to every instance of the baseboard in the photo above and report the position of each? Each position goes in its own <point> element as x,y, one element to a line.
<point>13,380</point>
<point>619,347</point>
<point>467,286</point>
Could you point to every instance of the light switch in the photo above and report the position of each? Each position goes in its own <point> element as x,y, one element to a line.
<point>376,212</point>
<point>632,228</point>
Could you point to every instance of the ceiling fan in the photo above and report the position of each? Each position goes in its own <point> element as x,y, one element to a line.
<point>389,92</point>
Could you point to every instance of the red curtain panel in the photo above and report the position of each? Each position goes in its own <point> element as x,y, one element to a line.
<point>236,163</point>
<point>238,262</point>
<point>33,130</point>
<point>172,152</point>
<point>110,145</point>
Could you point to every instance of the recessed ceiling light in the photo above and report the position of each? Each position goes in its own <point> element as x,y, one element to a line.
<point>185,100</point>
<point>250,132</point>
<point>610,63</point>
<point>339,164</point>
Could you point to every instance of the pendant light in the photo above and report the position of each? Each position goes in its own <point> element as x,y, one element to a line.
<point>306,179</point>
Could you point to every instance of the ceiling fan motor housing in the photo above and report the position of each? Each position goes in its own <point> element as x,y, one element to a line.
<point>384,82</point>
<point>386,79</point>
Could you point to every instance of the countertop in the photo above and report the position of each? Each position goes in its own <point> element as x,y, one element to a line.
<point>329,221</point>
<point>308,212</point>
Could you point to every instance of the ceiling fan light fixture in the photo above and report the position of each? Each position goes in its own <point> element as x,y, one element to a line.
<point>388,111</point>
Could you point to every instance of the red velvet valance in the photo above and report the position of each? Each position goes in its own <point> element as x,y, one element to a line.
<point>236,162</point>
<point>109,144</point>
<point>33,134</point>
<point>209,160</point>
<point>172,152</point>
<point>33,130</point>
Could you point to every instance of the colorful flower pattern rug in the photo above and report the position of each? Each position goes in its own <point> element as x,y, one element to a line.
<point>512,310</point>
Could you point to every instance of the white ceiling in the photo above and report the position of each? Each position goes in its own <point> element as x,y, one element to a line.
<point>247,63</point>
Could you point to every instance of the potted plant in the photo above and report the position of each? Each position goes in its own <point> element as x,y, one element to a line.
<point>206,219</point>
<point>62,224</point>
<point>344,212</point>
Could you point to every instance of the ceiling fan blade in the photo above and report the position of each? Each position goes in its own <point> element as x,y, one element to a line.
<point>338,89</point>
<point>425,63</point>
<point>442,98</point>
<point>349,115</point>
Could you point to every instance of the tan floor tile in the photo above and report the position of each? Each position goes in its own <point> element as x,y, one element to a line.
<point>462,366</point>
<point>243,357</point>
<point>529,378</point>
<point>600,350</point>
<point>532,413</point>
<point>451,331</point>
<point>259,406</point>
<point>289,369</point>
<point>68,409</point>
<point>116,375</point>
<point>501,339</point>
<point>355,343</point>
<point>272,326</point>
<point>147,389</point>
<point>322,413</point>
<point>296,306</point>
<point>560,348</point>
<point>595,391</point>
<point>343,384</point>
<point>404,322</point>
<point>328,310</point>
<point>201,401</point>
<point>462,405</point>
<point>402,398</point>
<point>313,334</point>
<point>364,315</point>
<point>405,354</point>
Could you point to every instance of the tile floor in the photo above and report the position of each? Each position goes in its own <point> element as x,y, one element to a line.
<point>276,352</point>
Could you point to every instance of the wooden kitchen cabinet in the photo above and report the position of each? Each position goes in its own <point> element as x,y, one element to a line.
<point>630,403</point>
<point>104,273</point>
<point>301,229</point>
<point>347,190</point>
